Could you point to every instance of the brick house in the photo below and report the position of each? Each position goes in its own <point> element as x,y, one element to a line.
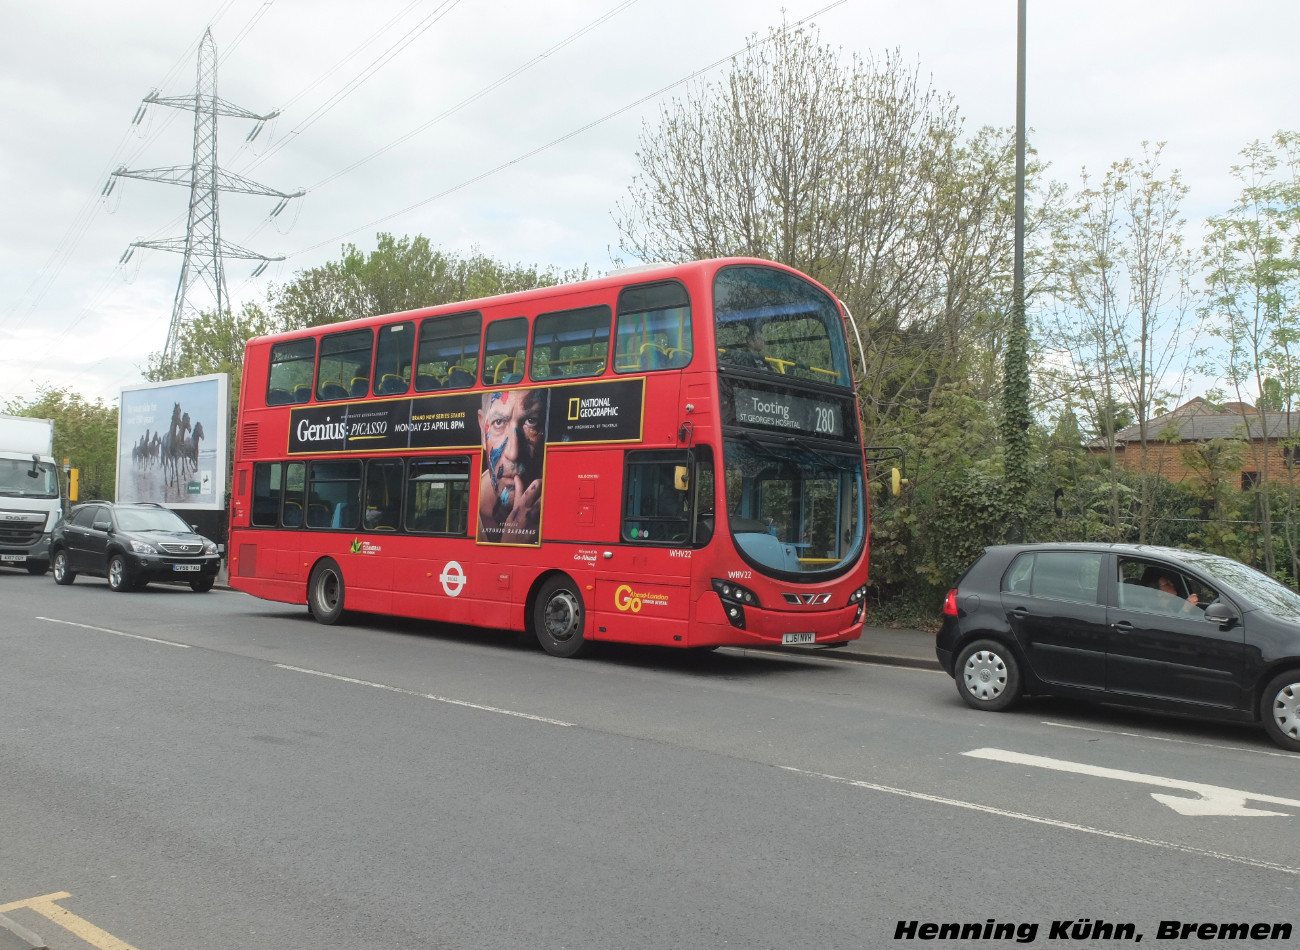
<point>1196,427</point>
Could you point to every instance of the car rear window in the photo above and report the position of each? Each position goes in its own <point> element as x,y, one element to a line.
<point>1060,575</point>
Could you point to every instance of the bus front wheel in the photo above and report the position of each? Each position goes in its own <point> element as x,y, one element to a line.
<point>325,592</point>
<point>558,618</point>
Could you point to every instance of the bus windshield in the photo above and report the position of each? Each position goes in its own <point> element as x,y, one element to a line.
<point>769,320</point>
<point>793,509</point>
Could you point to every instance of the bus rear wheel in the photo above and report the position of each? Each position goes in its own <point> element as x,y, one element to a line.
<point>325,590</point>
<point>558,618</point>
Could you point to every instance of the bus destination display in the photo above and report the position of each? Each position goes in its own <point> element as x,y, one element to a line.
<point>787,411</point>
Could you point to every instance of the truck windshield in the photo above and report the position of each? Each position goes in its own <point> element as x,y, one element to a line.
<point>28,479</point>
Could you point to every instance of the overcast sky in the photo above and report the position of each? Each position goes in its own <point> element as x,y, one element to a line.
<point>354,78</point>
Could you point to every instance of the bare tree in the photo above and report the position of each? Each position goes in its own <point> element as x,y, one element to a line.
<point>1253,256</point>
<point>854,172</point>
<point>1124,309</point>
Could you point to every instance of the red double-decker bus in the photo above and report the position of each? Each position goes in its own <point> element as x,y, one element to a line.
<point>669,456</point>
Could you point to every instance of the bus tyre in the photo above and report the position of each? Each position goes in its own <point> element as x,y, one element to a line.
<point>1280,710</point>
<point>558,618</point>
<point>63,572</point>
<point>988,676</point>
<point>325,592</point>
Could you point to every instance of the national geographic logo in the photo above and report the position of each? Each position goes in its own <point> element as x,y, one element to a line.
<point>580,408</point>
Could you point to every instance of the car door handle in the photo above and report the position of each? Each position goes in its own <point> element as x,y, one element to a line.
<point>1123,626</point>
<point>1020,610</point>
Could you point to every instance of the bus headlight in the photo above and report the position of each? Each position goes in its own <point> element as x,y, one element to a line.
<point>735,599</point>
<point>859,597</point>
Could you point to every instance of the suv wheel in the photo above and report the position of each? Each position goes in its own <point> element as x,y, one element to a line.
<point>988,676</point>
<point>63,572</point>
<point>119,575</point>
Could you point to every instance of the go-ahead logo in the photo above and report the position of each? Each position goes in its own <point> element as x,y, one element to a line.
<point>625,599</point>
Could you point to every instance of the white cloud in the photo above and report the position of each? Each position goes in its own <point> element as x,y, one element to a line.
<point>1103,76</point>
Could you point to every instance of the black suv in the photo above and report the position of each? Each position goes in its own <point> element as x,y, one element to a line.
<point>1177,630</point>
<point>131,545</point>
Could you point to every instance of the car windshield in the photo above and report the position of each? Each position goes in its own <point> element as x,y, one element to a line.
<point>150,519</point>
<point>1262,590</point>
<point>27,479</point>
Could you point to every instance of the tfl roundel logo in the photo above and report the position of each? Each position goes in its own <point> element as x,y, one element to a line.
<point>452,578</point>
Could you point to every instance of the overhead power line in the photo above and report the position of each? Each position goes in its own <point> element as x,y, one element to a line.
<point>563,138</point>
<point>356,82</point>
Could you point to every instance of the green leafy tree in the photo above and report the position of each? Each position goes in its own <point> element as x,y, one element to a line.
<point>85,433</point>
<point>400,274</point>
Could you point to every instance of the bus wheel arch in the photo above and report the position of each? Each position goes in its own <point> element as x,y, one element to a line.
<point>326,591</point>
<point>557,616</point>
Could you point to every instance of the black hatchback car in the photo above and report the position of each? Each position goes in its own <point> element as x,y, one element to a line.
<point>131,545</point>
<point>1175,630</point>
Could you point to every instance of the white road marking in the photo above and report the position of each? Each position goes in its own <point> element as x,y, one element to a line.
<point>1066,825</point>
<point>1213,800</point>
<point>1145,735</point>
<point>118,633</point>
<point>436,699</point>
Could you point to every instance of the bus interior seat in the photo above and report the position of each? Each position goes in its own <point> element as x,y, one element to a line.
<point>653,356</point>
<point>426,382</point>
<point>302,393</point>
<point>333,391</point>
<point>292,514</point>
<point>318,516</point>
<point>360,386</point>
<point>503,370</point>
<point>390,385</point>
<point>512,378</point>
<point>279,397</point>
<point>459,377</point>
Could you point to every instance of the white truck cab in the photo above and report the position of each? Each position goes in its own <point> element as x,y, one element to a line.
<point>31,502</point>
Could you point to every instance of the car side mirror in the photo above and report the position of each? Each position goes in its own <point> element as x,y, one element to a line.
<point>1221,614</point>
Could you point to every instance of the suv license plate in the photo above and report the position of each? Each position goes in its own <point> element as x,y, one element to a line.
<point>8,558</point>
<point>788,638</point>
<point>185,567</point>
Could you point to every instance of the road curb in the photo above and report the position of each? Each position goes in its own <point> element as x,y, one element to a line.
<point>883,659</point>
<point>17,937</point>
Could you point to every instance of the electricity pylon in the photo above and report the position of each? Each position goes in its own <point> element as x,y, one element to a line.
<point>202,244</point>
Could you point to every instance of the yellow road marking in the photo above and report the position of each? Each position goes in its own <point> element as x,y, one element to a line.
<point>69,921</point>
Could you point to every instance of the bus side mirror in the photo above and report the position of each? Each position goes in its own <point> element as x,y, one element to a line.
<point>682,478</point>
<point>896,481</point>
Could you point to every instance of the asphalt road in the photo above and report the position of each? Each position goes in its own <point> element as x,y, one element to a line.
<point>212,771</point>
